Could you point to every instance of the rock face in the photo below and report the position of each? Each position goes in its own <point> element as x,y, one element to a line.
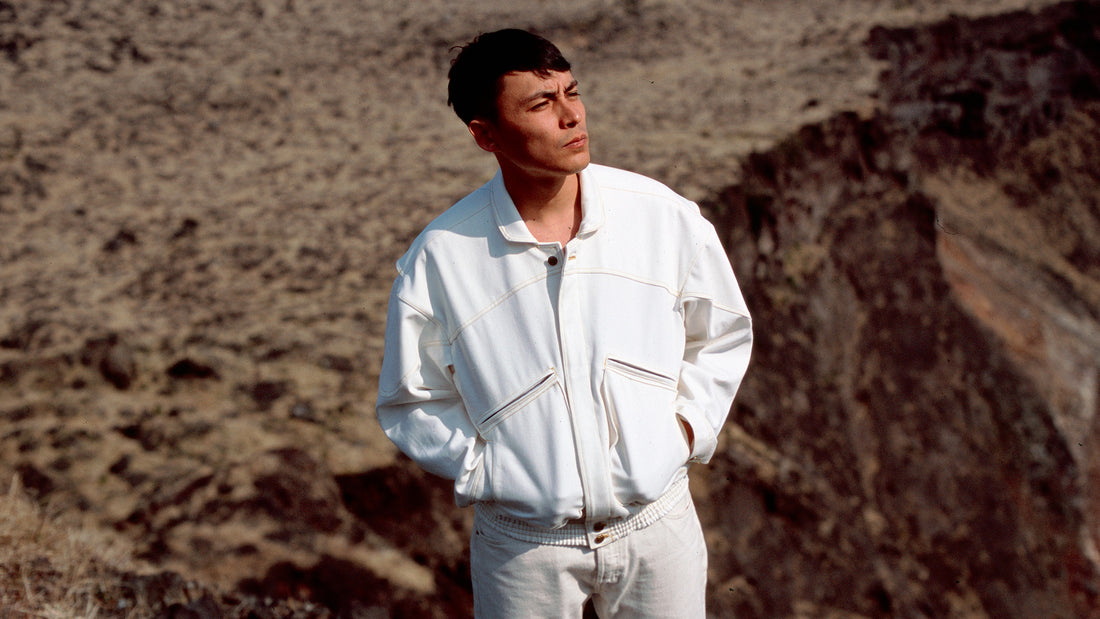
<point>200,204</point>
<point>917,436</point>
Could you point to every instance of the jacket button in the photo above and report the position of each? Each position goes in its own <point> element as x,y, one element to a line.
<point>552,260</point>
<point>601,538</point>
<point>599,526</point>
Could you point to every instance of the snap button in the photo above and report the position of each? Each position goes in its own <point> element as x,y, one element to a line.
<point>599,526</point>
<point>552,260</point>
<point>601,538</point>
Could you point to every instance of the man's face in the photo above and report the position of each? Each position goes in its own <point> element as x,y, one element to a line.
<point>540,126</point>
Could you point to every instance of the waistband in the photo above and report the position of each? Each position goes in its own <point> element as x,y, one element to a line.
<point>578,534</point>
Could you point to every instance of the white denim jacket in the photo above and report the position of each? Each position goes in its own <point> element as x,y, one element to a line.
<point>553,381</point>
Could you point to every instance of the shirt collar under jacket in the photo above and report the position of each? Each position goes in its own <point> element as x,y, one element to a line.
<point>511,223</point>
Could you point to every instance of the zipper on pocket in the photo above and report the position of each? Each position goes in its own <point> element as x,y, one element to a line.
<point>640,373</point>
<point>517,403</point>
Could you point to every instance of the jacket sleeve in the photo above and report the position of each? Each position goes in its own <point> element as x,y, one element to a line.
<point>418,407</point>
<point>718,344</point>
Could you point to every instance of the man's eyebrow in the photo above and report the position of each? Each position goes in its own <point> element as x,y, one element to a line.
<point>550,94</point>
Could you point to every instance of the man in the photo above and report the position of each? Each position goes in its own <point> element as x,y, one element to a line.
<point>562,343</point>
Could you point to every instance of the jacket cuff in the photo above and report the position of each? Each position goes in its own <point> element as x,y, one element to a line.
<point>705,440</point>
<point>472,484</point>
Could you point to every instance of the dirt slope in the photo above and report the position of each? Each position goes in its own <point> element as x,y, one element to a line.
<point>201,203</point>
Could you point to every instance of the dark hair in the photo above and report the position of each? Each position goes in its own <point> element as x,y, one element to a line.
<point>474,78</point>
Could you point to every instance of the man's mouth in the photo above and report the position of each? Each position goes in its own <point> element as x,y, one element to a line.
<point>577,142</point>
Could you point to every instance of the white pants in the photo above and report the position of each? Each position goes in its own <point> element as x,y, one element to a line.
<point>659,571</point>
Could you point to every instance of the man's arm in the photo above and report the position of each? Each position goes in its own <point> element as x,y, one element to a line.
<point>419,408</point>
<point>717,348</point>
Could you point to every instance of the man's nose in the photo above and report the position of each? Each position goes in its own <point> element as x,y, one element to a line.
<point>572,112</point>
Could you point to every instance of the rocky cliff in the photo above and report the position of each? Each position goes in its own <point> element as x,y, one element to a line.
<point>918,434</point>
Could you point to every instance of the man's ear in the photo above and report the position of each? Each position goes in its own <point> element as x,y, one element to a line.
<point>483,134</point>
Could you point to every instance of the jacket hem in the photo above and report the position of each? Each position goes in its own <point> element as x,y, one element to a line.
<point>576,534</point>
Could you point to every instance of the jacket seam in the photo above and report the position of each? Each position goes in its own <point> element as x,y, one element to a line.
<point>496,303</point>
<point>715,304</point>
<point>432,234</point>
<point>404,380</point>
<point>629,276</point>
<point>451,338</point>
<point>423,312</point>
<point>687,274</point>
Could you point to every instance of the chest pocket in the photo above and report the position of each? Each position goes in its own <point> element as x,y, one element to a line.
<point>529,449</point>
<point>646,443</point>
<point>517,403</point>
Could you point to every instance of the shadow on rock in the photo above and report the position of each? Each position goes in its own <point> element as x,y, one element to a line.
<point>342,586</point>
<point>415,511</point>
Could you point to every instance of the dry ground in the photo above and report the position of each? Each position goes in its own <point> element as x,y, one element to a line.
<point>201,203</point>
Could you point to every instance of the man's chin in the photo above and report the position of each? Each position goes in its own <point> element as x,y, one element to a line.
<point>581,163</point>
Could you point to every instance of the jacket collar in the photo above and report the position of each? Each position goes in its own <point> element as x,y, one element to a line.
<point>511,224</point>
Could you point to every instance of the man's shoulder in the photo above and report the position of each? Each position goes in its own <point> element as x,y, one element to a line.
<point>610,178</point>
<point>463,213</point>
<point>616,184</point>
<point>457,222</point>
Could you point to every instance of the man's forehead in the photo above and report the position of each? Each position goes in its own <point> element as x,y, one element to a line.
<point>526,83</point>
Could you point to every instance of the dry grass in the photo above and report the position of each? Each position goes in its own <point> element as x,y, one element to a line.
<point>54,571</point>
<point>60,569</point>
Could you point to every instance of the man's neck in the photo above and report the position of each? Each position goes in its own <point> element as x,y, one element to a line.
<point>550,206</point>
